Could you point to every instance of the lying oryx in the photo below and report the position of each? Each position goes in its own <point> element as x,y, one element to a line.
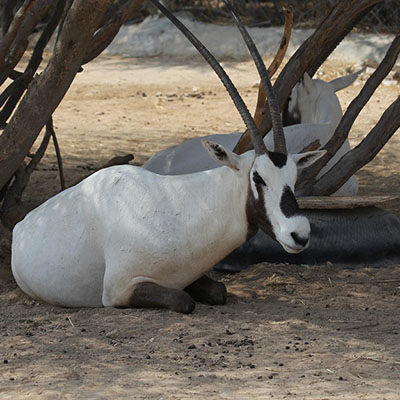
<point>127,237</point>
<point>313,104</point>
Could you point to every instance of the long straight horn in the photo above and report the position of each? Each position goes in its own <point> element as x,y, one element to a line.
<point>258,143</point>
<point>279,136</point>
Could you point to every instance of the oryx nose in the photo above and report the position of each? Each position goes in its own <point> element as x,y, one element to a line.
<point>302,241</point>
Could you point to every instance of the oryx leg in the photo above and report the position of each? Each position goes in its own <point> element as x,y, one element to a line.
<point>151,295</point>
<point>207,290</point>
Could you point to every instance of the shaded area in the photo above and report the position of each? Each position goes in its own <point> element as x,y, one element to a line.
<point>350,236</point>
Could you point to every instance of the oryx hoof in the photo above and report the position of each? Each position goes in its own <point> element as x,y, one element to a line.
<point>206,290</point>
<point>151,295</point>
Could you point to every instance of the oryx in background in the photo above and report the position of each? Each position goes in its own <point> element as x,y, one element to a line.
<point>311,115</point>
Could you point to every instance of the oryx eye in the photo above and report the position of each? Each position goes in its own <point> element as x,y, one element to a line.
<point>258,180</point>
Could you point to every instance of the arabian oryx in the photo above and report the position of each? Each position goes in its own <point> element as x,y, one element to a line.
<point>313,107</point>
<point>126,237</point>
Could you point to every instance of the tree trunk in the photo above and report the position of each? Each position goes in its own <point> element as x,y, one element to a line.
<point>45,93</point>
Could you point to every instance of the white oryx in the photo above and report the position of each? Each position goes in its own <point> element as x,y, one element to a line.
<point>127,237</point>
<point>313,104</point>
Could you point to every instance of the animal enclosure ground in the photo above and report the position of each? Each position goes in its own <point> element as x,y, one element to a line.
<point>296,332</point>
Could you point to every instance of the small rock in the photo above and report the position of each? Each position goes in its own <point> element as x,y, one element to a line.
<point>112,334</point>
<point>244,327</point>
<point>389,82</point>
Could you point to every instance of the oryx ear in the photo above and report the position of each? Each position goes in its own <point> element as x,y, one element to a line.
<point>221,154</point>
<point>308,83</point>
<point>344,81</point>
<point>304,160</point>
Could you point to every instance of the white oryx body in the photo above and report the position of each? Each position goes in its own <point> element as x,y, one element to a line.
<point>313,101</point>
<point>91,244</point>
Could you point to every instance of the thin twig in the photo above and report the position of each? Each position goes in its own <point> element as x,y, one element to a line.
<point>361,327</point>
<point>373,281</point>
<point>70,321</point>
<point>50,128</point>
<point>367,359</point>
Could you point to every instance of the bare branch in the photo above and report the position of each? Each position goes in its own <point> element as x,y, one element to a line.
<point>7,16</point>
<point>9,36</point>
<point>17,88</point>
<point>115,17</point>
<point>12,95</point>
<point>118,160</point>
<point>41,44</point>
<point>308,175</point>
<point>11,51</point>
<point>45,93</point>
<point>50,128</point>
<point>355,159</point>
<point>21,177</point>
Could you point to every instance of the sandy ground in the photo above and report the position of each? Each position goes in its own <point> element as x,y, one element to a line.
<point>296,332</point>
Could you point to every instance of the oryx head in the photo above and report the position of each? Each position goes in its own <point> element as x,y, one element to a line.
<point>315,101</point>
<point>271,203</point>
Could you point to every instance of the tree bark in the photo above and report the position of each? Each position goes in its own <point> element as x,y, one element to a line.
<point>116,16</point>
<point>45,93</point>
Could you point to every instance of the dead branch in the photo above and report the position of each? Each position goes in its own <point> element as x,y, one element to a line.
<point>16,89</point>
<point>118,160</point>
<point>22,80</point>
<point>311,54</point>
<point>50,129</point>
<point>315,145</point>
<point>355,159</point>
<point>12,51</point>
<point>21,177</point>
<point>7,16</point>
<point>44,39</point>
<point>306,180</point>
<point>261,100</point>
<point>14,25</point>
<point>115,17</point>
<point>45,93</point>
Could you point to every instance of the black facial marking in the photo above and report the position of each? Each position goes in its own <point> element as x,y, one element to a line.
<point>258,180</point>
<point>288,203</point>
<point>279,159</point>
<point>257,215</point>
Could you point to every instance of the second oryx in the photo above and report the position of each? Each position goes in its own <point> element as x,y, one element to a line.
<point>312,114</point>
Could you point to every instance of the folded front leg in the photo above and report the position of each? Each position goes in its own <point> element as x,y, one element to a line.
<point>151,295</point>
<point>207,290</point>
